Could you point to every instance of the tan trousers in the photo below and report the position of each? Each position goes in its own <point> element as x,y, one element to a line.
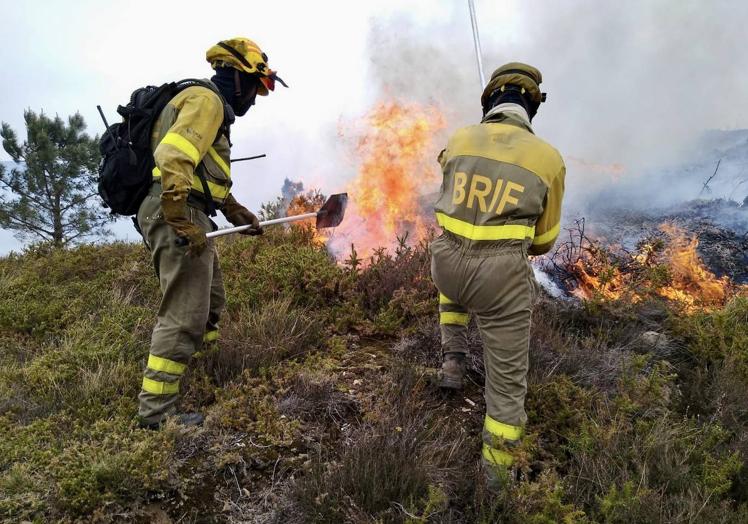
<point>497,286</point>
<point>191,305</point>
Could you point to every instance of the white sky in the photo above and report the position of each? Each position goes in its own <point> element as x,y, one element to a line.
<point>621,75</point>
<point>67,56</point>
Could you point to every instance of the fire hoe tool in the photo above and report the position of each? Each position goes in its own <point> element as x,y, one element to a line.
<point>329,215</point>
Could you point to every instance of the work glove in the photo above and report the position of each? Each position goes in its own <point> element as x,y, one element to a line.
<point>176,215</point>
<point>239,215</point>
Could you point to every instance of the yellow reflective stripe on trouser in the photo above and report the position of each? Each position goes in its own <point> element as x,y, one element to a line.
<point>499,429</point>
<point>184,145</point>
<point>546,237</point>
<point>164,364</point>
<point>496,456</point>
<point>448,317</point>
<point>210,336</point>
<point>160,388</point>
<point>219,193</point>
<point>218,160</point>
<point>474,232</point>
<point>444,300</point>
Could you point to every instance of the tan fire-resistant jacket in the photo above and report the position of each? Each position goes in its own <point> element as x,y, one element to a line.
<point>501,185</point>
<point>185,142</point>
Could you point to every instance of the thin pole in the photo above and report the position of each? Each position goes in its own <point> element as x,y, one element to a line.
<point>248,158</point>
<point>284,220</point>
<point>476,40</point>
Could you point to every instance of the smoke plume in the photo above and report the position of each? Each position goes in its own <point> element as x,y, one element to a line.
<point>632,87</point>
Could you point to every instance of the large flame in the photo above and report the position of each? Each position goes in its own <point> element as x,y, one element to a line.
<point>396,149</point>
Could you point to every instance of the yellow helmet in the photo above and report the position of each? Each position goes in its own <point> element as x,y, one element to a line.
<point>245,55</point>
<point>515,73</point>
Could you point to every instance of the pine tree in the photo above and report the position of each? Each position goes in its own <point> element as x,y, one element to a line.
<point>51,194</point>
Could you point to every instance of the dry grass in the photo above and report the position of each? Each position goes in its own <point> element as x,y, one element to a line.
<point>259,338</point>
<point>403,464</point>
<point>321,405</point>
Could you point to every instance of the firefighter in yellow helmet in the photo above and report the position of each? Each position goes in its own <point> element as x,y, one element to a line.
<point>192,179</point>
<point>500,201</point>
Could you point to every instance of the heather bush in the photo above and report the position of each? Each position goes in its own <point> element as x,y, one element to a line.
<point>322,406</point>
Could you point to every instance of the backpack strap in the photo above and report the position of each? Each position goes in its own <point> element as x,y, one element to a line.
<point>228,113</point>
<point>210,205</point>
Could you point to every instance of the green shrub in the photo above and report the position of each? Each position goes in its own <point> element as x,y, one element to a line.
<point>63,466</point>
<point>716,336</point>
<point>315,414</point>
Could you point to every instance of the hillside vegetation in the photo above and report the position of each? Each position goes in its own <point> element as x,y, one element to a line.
<point>321,404</point>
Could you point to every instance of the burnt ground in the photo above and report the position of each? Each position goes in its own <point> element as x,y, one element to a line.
<point>721,227</point>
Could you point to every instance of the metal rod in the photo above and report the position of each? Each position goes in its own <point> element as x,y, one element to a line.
<point>248,158</point>
<point>476,40</point>
<point>284,220</point>
<point>114,140</point>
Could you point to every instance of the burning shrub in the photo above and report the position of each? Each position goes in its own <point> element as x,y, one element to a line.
<point>396,148</point>
<point>665,264</point>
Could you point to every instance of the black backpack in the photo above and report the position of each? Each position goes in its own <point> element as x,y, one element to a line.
<point>126,170</point>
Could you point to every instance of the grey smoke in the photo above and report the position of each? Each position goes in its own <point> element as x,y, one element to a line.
<point>290,189</point>
<point>635,83</point>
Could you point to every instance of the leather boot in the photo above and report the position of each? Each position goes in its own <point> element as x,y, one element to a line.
<point>453,371</point>
<point>183,419</point>
<point>496,477</point>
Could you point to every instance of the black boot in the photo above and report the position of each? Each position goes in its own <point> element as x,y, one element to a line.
<point>183,419</point>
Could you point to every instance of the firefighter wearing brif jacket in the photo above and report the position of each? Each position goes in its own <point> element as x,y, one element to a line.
<point>500,201</point>
<point>191,178</point>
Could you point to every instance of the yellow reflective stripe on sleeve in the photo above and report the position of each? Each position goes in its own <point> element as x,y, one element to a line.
<point>218,160</point>
<point>499,429</point>
<point>184,145</point>
<point>496,456</point>
<point>546,237</point>
<point>210,336</point>
<point>473,232</point>
<point>164,364</point>
<point>219,193</point>
<point>444,300</point>
<point>160,388</point>
<point>461,319</point>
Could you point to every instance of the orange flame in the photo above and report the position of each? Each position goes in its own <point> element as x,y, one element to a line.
<point>690,283</point>
<point>595,280</point>
<point>308,202</point>
<point>693,284</point>
<point>397,154</point>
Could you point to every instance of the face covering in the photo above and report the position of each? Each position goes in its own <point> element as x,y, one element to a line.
<point>248,94</point>
<point>225,80</point>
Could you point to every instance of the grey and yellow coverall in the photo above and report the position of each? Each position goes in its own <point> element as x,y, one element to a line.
<point>500,201</point>
<point>186,141</point>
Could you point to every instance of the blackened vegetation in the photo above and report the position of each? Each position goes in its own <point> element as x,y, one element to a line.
<point>721,226</point>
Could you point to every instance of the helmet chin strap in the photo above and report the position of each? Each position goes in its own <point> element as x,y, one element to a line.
<point>237,84</point>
